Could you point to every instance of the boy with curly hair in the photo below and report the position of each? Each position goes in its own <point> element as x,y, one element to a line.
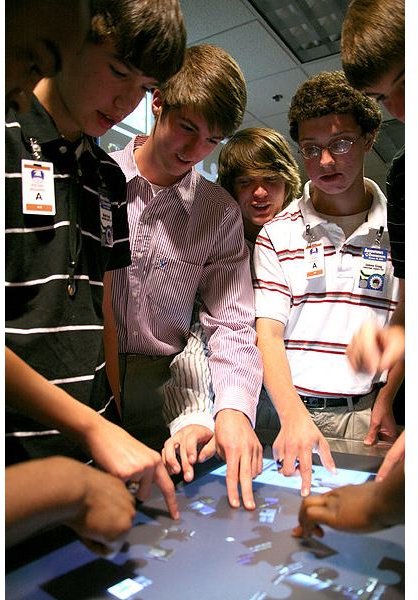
<point>323,268</point>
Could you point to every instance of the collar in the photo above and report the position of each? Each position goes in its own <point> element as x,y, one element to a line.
<point>185,188</point>
<point>375,218</point>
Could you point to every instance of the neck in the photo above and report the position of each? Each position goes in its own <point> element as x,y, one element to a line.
<point>251,231</point>
<point>350,202</point>
<point>48,95</point>
<point>148,164</point>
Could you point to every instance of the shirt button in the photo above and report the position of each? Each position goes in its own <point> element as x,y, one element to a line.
<point>63,149</point>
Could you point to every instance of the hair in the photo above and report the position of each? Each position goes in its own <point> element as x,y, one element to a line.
<point>372,40</point>
<point>330,93</point>
<point>148,34</point>
<point>258,151</point>
<point>211,84</point>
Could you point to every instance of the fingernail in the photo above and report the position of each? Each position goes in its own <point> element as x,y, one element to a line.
<point>304,493</point>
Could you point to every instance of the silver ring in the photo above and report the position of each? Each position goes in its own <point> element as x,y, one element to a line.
<point>279,463</point>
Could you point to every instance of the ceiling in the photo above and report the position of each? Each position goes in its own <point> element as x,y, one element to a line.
<point>272,69</point>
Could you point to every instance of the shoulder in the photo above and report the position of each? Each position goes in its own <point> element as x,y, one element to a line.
<point>212,194</point>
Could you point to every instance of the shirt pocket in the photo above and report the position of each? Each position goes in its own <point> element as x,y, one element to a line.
<point>172,290</point>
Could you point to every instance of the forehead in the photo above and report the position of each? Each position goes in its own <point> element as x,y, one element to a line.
<point>199,122</point>
<point>322,128</point>
<point>393,77</point>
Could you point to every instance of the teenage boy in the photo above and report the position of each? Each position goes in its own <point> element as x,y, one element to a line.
<point>373,58</point>
<point>186,237</point>
<point>257,168</point>
<point>322,269</point>
<point>66,228</point>
<point>38,39</point>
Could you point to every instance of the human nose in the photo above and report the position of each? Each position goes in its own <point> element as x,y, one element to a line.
<point>396,107</point>
<point>195,149</point>
<point>260,191</point>
<point>129,98</point>
<point>326,157</point>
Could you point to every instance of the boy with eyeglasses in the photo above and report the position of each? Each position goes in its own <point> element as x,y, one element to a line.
<point>373,59</point>
<point>322,269</point>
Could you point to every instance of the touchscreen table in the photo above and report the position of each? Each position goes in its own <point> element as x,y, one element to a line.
<point>215,552</point>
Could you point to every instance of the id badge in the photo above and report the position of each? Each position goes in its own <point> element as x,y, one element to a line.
<point>106,230</point>
<point>373,269</point>
<point>314,260</point>
<point>38,193</point>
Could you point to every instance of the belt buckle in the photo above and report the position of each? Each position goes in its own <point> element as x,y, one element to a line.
<point>313,403</point>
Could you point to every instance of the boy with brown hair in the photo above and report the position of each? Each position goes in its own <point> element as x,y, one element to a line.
<point>322,269</point>
<point>71,231</point>
<point>186,237</point>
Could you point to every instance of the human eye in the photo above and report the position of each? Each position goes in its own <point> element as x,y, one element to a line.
<point>118,72</point>
<point>272,179</point>
<point>310,151</point>
<point>340,146</point>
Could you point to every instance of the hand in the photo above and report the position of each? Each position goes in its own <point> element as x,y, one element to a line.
<point>374,349</point>
<point>105,512</point>
<point>194,443</point>
<point>394,457</point>
<point>382,425</point>
<point>120,454</point>
<point>297,439</point>
<point>238,445</point>
<point>344,508</point>
<point>357,508</point>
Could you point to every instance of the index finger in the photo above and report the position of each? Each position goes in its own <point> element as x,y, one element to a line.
<point>163,481</point>
<point>246,481</point>
<point>305,470</point>
<point>232,470</point>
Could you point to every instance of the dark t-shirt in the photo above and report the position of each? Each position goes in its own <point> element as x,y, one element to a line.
<point>395,190</point>
<point>58,334</point>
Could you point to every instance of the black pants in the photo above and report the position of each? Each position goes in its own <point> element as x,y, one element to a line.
<point>142,382</point>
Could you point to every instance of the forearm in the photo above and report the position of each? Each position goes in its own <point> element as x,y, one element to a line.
<point>277,374</point>
<point>388,392</point>
<point>389,506</point>
<point>30,393</point>
<point>38,494</point>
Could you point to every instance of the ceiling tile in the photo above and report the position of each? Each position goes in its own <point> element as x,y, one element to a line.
<point>205,18</point>
<point>255,50</point>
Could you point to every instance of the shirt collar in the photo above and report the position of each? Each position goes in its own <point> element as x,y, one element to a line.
<point>375,218</point>
<point>185,188</point>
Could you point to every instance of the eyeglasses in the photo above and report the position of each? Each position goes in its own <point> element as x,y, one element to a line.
<point>337,147</point>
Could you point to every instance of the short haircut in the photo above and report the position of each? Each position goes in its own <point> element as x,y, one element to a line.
<point>148,34</point>
<point>330,93</point>
<point>258,151</point>
<point>372,40</point>
<point>211,84</point>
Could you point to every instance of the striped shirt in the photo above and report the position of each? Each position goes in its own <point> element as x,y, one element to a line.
<point>321,314</point>
<point>395,188</point>
<point>188,238</point>
<point>59,335</point>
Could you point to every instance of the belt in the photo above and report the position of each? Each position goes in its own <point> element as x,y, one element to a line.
<point>320,403</point>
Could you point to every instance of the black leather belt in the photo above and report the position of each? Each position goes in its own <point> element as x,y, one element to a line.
<point>319,403</point>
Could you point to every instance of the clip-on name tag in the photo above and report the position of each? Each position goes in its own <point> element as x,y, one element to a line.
<point>38,194</point>
<point>373,266</point>
<point>314,257</point>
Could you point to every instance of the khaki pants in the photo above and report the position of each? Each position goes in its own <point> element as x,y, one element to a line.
<point>351,423</point>
<point>142,381</point>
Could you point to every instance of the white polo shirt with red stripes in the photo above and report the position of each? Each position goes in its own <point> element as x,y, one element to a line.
<point>321,314</point>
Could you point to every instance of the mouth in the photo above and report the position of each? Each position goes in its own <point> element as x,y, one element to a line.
<point>260,206</point>
<point>182,159</point>
<point>109,120</point>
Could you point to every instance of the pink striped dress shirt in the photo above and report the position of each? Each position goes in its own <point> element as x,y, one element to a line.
<point>188,238</point>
